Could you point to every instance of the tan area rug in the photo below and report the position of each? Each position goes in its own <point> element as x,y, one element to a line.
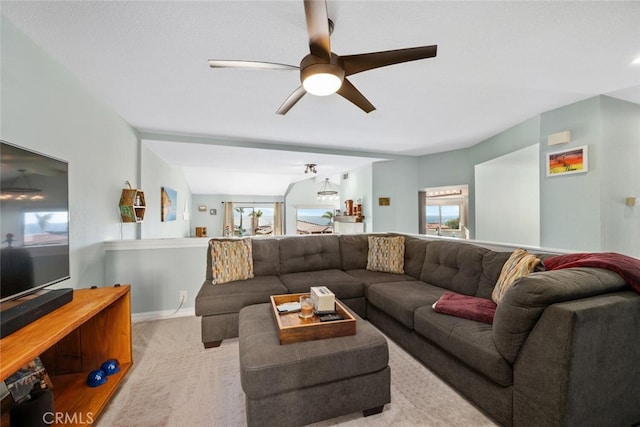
<point>176,382</point>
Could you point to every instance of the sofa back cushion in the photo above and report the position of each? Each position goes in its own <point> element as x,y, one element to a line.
<point>454,266</point>
<point>309,253</point>
<point>492,263</point>
<point>354,249</point>
<point>265,256</point>
<point>414,253</point>
<point>525,301</point>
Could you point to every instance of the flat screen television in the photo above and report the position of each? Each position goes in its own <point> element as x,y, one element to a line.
<point>34,221</point>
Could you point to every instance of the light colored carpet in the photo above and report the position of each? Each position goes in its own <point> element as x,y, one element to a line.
<point>176,382</point>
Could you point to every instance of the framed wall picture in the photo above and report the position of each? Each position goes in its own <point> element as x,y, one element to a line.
<point>168,204</point>
<point>569,161</point>
<point>384,201</point>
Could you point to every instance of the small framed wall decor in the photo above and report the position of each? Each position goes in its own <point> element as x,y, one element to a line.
<point>384,201</point>
<point>569,161</point>
<point>168,201</point>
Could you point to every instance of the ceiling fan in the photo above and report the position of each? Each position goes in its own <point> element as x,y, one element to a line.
<point>322,72</point>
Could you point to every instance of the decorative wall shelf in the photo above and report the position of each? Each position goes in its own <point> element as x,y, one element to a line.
<point>132,205</point>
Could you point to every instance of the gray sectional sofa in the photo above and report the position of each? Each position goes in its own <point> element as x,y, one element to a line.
<point>563,349</point>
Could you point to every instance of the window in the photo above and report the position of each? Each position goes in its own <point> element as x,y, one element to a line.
<point>253,220</point>
<point>46,228</point>
<point>443,217</point>
<point>443,211</point>
<point>314,220</point>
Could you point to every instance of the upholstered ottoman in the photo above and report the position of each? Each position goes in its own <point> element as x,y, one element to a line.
<point>306,382</point>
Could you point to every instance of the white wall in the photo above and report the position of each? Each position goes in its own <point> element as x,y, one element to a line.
<point>507,194</point>
<point>155,175</point>
<point>359,186</point>
<point>44,108</point>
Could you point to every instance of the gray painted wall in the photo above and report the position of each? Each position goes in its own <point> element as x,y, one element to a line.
<point>158,275</point>
<point>398,180</point>
<point>620,178</point>
<point>449,168</point>
<point>583,212</point>
<point>44,108</point>
<point>570,204</point>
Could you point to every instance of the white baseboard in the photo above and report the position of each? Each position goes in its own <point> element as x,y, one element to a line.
<point>164,314</point>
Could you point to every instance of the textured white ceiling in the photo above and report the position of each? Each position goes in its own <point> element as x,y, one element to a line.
<point>498,63</point>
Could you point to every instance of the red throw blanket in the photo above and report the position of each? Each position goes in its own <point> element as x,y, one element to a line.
<point>625,266</point>
<point>466,306</point>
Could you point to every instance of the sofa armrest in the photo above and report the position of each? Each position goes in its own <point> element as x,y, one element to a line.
<point>580,364</point>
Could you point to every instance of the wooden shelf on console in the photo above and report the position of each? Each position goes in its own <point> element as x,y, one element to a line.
<point>72,341</point>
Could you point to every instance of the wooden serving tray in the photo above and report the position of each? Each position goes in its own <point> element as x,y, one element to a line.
<point>291,328</point>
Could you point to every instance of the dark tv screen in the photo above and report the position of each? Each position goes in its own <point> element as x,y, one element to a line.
<point>34,221</point>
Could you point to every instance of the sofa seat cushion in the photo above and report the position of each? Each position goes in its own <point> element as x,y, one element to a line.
<point>369,277</point>
<point>343,285</point>
<point>231,297</point>
<point>468,340</point>
<point>400,299</point>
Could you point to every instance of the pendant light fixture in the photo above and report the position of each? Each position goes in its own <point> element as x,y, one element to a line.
<point>327,191</point>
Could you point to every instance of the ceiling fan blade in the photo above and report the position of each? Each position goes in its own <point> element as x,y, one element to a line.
<point>367,61</point>
<point>222,63</point>
<point>350,93</point>
<point>291,101</point>
<point>318,28</point>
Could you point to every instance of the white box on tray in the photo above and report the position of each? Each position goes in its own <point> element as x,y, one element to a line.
<point>323,299</point>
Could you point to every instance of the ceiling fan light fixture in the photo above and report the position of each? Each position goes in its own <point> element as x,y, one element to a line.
<point>322,84</point>
<point>319,77</point>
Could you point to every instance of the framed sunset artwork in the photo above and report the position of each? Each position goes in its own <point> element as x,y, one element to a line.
<point>570,161</point>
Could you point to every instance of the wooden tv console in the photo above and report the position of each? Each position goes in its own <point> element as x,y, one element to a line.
<point>72,341</point>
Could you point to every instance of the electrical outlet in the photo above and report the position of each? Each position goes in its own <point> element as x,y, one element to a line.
<point>183,296</point>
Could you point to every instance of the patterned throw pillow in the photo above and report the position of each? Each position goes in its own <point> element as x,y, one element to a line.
<point>231,260</point>
<point>519,264</point>
<point>386,254</point>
